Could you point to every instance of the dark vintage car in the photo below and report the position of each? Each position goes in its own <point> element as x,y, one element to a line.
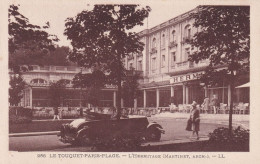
<point>85,131</point>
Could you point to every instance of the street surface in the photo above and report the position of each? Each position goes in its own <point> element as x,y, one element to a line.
<point>174,129</point>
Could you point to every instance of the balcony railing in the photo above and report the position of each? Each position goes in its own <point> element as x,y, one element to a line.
<point>71,69</point>
<point>184,65</point>
<point>186,39</point>
<point>173,44</point>
<point>130,57</point>
<point>153,50</point>
<point>134,72</point>
<point>139,54</point>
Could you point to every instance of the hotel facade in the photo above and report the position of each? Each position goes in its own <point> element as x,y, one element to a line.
<point>166,72</point>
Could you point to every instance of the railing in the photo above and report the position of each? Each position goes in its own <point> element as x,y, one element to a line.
<point>130,57</point>
<point>186,39</point>
<point>173,44</point>
<point>59,68</point>
<point>153,50</point>
<point>134,72</point>
<point>45,68</point>
<point>71,68</point>
<point>184,65</point>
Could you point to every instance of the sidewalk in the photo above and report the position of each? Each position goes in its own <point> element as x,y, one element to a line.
<point>238,120</point>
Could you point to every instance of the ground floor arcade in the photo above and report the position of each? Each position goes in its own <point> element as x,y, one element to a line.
<point>39,97</point>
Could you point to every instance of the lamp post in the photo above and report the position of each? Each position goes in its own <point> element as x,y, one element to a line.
<point>80,103</point>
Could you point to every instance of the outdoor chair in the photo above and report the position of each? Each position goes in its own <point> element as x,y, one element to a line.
<point>188,108</point>
<point>181,108</point>
<point>221,109</point>
<point>246,108</point>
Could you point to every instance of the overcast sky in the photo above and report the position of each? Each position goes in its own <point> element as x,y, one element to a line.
<point>56,12</point>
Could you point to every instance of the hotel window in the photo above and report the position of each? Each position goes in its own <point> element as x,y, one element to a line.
<point>163,40</point>
<point>187,54</point>
<point>140,66</point>
<point>131,66</point>
<point>38,81</point>
<point>153,64</point>
<point>187,31</point>
<point>173,58</point>
<point>173,36</point>
<point>163,60</point>
<point>154,43</point>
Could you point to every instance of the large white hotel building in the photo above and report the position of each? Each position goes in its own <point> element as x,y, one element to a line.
<point>165,69</point>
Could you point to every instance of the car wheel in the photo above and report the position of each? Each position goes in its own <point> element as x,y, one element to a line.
<point>84,140</point>
<point>153,134</point>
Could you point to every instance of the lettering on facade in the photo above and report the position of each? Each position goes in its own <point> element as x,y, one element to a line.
<point>187,77</point>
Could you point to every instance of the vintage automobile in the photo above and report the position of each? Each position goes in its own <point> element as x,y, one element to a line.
<point>85,131</point>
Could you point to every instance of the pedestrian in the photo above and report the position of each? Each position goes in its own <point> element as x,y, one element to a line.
<point>195,120</point>
<point>56,113</point>
<point>214,103</point>
<point>205,104</point>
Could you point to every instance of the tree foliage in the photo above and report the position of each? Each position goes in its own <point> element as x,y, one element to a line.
<point>224,39</point>
<point>130,88</point>
<point>17,85</point>
<point>57,92</point>
<point>102,37</point>
<point>32,40</point>
<point>92,83</point>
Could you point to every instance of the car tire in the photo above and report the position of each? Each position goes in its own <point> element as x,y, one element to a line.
<point>84,140</point>
<point>153,134</point>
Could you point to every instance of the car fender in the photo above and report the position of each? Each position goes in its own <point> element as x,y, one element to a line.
<point>83,130</point>
<point>155,125</point>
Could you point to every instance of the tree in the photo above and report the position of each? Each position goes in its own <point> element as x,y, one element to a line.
<point>92,83</point>
<point>130,88</point>
<point>223,38</point>
<point>57,92</point>
<point>17,85</point>
<point>32,40</point>
<point>101,37</point>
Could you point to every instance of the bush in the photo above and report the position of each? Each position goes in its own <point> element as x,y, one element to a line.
<point>20,111</point>
<point>13,119</point>
<point>221,136</point>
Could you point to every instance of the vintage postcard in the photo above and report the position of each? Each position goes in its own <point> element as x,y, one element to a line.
<point>129,81</point>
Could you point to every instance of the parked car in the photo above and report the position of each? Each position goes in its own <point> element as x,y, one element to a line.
<point>87,130</point>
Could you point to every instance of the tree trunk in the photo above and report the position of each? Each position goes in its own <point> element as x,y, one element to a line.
<point>118,98</point>
<point>119,89</point>
<point>231,102</point>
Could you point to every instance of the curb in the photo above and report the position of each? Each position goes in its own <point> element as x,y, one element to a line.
<point>33,134</point>
<point>52,120</point>
<point>176,141</point>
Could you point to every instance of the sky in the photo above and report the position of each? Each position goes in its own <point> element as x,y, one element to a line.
<point>57,11</point>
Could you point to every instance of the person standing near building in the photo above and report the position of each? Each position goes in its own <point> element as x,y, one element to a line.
<point>205,104</point>
<point>195,120</point>
<point>56,113</point>
<point>214,103</point>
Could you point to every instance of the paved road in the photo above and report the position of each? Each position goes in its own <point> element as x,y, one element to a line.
<point>174,128</point>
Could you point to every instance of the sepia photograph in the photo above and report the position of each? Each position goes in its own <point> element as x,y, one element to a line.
<point>144,77</point>
<point>119,84</point>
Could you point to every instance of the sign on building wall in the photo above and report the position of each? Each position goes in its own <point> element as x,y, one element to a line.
<point>186,77</point>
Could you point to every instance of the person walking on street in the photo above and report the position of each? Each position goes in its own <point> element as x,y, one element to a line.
<point>56,113</point>
<point>195,120</point>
